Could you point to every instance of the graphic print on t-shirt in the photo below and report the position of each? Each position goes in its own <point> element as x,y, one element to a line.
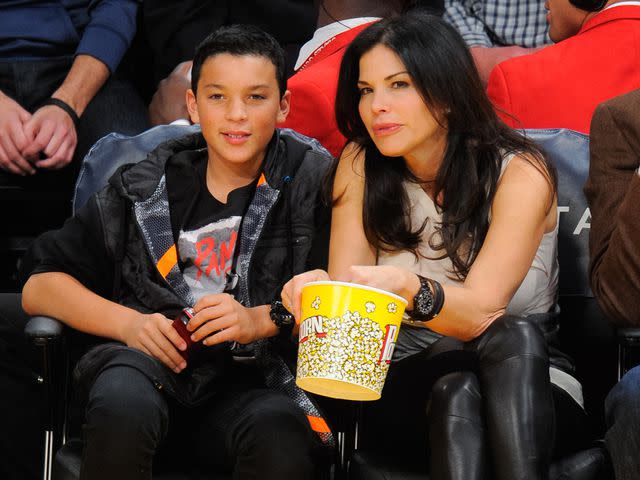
<point>207,255</point>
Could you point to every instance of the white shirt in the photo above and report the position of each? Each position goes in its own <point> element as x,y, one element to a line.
<point>621,4</point>
<point>322,34</point>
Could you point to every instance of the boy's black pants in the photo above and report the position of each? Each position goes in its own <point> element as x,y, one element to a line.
<point>252,432</point>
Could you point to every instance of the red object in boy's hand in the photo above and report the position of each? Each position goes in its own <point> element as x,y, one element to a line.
<point>180,325</point>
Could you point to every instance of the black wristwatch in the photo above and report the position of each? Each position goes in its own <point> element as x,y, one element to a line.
<point>423,302</point>
<point>282,318</point>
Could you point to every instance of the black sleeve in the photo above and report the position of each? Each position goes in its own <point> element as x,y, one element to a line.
<point>77,249</point>
<point>174,29</point>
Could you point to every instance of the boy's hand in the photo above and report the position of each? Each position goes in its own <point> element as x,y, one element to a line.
<point>292,291</point>
<point>154,335</point>
<point>220,318</point>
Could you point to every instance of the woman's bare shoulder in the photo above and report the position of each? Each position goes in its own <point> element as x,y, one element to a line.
<point>350,172</point>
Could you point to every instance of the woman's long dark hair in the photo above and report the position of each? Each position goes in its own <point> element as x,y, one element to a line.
<point>443,71</point>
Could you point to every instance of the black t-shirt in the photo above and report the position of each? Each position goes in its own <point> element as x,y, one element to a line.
<point>205,230</point>
<point>191,206</point>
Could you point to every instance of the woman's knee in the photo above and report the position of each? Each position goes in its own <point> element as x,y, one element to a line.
<point>456,394</point>
<point>511,336</point>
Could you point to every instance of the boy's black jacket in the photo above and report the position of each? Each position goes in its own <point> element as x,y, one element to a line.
<point>111,241</point>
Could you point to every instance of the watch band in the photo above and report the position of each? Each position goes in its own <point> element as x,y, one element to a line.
<point>64,106</point>
<point>282,318</point>
<point>428,301</point>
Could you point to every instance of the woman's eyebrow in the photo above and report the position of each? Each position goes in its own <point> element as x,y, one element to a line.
<point>389,77</point>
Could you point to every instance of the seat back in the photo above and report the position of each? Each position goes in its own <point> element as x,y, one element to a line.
<point>583,327</point>
<point>568,151</point>
<point>115,150</point>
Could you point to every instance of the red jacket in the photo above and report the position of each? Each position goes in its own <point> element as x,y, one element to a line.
<point>313,93</point>
<point>561,85</point>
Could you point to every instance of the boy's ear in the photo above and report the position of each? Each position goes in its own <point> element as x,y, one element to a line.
<point>192,106</point>
<point>285,104</point>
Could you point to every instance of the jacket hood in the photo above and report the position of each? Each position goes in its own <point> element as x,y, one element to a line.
<point>285,152</point>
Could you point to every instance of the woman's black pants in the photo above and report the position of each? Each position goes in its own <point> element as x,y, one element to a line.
<point>491,410</point>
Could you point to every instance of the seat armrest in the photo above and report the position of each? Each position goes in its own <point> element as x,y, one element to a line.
<point>43,330</point>
<point>629,337</point>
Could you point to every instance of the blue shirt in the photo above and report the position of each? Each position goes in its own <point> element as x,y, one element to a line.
<point>40,29</point>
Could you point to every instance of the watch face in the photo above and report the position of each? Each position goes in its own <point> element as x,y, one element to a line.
<point>280,315</point>
<point>423,301</point>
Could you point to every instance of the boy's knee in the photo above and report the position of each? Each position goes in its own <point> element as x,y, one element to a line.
<point>124,404</point>
<point>281,440</point>
<point>278,412</point>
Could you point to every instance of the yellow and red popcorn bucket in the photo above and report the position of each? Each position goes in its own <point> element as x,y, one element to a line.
<point>346,339</point>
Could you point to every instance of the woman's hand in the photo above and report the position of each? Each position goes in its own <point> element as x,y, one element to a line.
<point>221,318</point>
<point>292,291</point>
<point>154,335</point>
<point>386,277</point>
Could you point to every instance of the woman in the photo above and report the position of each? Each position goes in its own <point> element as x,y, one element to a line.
<point>435,199</point>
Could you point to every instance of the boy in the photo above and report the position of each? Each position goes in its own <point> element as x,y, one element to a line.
<point>216,221</point>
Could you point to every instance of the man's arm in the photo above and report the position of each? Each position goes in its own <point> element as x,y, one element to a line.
<point>51,129</point>
<point>105,39</point>
<point>456,13</point>
<point>169,102</point>
<point>500,96</point>
<point>486,58</point>
<point>613,192</point>
<point>485,54</point>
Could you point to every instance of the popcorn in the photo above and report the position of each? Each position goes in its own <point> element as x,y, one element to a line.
<point>352,353</point>
<point>370,307</point>
<point>392,307</point>
<point>316,304</point>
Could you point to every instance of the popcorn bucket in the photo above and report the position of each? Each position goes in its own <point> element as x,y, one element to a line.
<point>346,339</point>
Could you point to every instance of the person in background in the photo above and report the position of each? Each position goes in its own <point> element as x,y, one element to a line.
<point>58,94</point>
<point>596,57</point>
<point>313,86</point>
<point>498,30</point>
<point>173,29</point>
<point>613,192</point>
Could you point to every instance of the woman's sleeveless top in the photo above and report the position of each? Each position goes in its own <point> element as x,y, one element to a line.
<point>536,294</point>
